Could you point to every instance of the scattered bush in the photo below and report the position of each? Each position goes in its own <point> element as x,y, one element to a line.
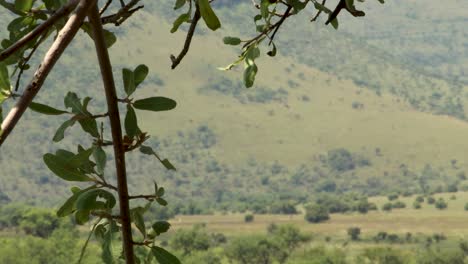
<point>420,199</point>
<point>316,213</point>
<point>430,200</point>
<point>416,205</point>
<point>398,205</point>
<point>440,204</point>
<point>248,218</point>
<point>392,196</point>
<point>354,232</point>
<point>387,207</point>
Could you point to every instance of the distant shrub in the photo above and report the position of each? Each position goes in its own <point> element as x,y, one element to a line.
<point>316,213</point>
<point>354,232</point>
<point>430,200</point>
<point>392,196</point>
<point>453,197</point>
<point>452,187</point>
<point>417,205</point>
<point>393,238</point>
<point>382,255</point>
<point>248,218</point>
<point>420,199</point>
<point>387,207</point>
<point>461,175</point>
<point>439,237</point>
<point>440,204</point>
<point>466,207</point>
<point>398,205</point>
<point>381,236</point>
<point>340,160</point>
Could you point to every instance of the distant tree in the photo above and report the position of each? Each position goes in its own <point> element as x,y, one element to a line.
<point>189,240</point>
<point>248,218</point>
<point>417,205</point>
<point>387,207</point>
<point>420,199</point>
<point>354,232</point>
<point>340,160</point>
<point>398,205</point>
<point>430,200</point>
<point>441,204</point>
<point>316,213</point>
<point>392,196</point>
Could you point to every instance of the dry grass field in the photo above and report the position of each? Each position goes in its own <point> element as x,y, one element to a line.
<point>452,221</point>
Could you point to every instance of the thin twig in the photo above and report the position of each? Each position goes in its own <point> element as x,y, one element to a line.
<point>64,38</point>
<point>116,129</point>
<point>147,197</point>
<point>18,79</point>
<point>39,30</point>
<point>188,39</point>
<point>104,8</point>
<point>279,23</point>
<point>319,12</point>
<point>123,14</point>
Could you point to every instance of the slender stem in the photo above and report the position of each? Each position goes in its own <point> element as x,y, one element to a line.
<point>119,151</point>
<point>188,39</point>
<point>62,41</point>
<point>65,10</point>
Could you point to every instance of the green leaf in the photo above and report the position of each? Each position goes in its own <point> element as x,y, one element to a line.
<point>100,158</point>
<point>45,109</point>
<point>137,219</point>
<point>322,8</point>
<point>60,133</point>
<point>140,73</point>
<point>168,164</point>
<point>60,167</point>
<point>161,201</point>
<point>146,150</point>
<point>181,19</point>
<point>155,104</point>
<point>81,217</point>
<point>272,52</point>
<point>264,8</point>
<point>160,192</point>
<point>129,81</point>
<point>109,37</point>
<point>80,159</point>
<point>88,200</point>
<point>209,15</point>
<point>249,75</point>
<point>232,41</point>
<point>163,256</point>
<point>179,4</point>
<point>69,206</point>
<point>73,101</point>
<point>131,125</point>
<point>161,227</point>
<point>334,23</point>
<point>89,125</point>
<point>4,79</point>
<point>23,5</point>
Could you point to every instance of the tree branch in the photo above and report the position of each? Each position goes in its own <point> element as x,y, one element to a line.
<point>62,41</point>
<point>65,10</point>
<point>123,14</point>
<point>114,117</point>
<point>188,39</point>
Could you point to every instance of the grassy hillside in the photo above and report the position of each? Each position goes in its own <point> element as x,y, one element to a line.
<point>232,145</point>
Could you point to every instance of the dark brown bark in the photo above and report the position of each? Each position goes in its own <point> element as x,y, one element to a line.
<point>119,151</point>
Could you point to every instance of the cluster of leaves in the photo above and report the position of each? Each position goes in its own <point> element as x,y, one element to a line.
<point>97,201</point>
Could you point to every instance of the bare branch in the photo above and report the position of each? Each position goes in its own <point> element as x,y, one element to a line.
<point>188,39</point>
<point>65,10</point>
<point>62,41</point>
<point>114,117</point>
<point>123,14</point>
